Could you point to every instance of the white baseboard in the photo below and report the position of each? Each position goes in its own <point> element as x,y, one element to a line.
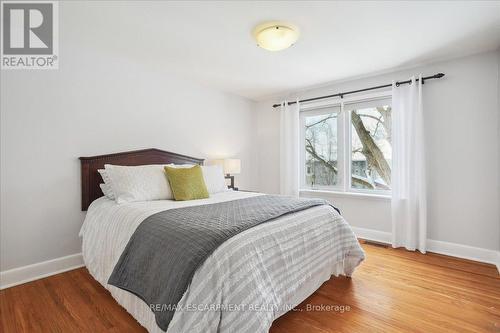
<point>373,235</point>
<point>446,248</point>
<point>463,251</point>
<point>39,270</point>
<point>43,269</point>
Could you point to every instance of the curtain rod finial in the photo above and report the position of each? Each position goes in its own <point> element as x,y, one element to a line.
<point>439,75</point>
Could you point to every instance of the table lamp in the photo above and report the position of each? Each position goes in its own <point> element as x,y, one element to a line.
<point>232,167</point>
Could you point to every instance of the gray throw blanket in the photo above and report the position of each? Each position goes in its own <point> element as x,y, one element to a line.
<point>164,252</point>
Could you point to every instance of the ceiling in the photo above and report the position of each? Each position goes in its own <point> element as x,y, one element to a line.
<point>211,42</point>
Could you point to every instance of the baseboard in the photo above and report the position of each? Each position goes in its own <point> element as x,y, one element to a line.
<point>43,269</point>
<point>446,248</point>
<point>28,273</point>
<point>463,251</point>
<point>373,235</point>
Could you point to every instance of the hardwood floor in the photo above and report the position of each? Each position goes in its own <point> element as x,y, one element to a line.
<point>392,291</point>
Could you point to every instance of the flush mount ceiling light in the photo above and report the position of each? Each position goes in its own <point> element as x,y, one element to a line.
<point>275,36</point>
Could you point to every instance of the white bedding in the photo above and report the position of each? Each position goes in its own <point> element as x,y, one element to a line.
<point>258,275</point>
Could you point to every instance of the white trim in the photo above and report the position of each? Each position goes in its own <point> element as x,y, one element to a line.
<point>463,251</point>
<point>335,101</point>
<point>360,195</point>
<point>19,275</point>
<point>373,235</point>
<point>446,248</point>
<point>318,105</point>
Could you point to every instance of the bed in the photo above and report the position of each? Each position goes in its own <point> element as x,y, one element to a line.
<point>247,282</point>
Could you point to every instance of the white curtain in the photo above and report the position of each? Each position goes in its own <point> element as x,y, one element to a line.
<point>289,149</point>
<point>409,209</point>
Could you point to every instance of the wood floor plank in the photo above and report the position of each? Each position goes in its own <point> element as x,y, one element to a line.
<point>392,291</point>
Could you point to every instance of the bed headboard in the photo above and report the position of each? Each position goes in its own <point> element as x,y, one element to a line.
<point>91,178</point>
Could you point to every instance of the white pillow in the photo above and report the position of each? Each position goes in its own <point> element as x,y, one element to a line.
<point>104,176</point>
<point>214,178</point>
<point>106,190</point>
<point>181,165</point>
<point>138,183</point>
<point>106,187</point>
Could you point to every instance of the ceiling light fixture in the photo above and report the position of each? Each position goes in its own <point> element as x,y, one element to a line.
<point>275,36</point>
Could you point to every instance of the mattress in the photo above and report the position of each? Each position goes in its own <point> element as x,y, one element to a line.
<point>250,280</point>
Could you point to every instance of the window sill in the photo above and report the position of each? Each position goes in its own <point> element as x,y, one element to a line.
<point>347,194</point>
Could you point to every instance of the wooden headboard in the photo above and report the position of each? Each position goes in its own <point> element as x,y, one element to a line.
<point>91,178</point>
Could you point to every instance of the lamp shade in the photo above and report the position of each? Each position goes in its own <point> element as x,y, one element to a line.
<point>232,166</point>
<point>215,162</point>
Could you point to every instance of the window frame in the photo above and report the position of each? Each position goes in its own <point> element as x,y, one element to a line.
<point>316,111</point>
<point>344,142</point>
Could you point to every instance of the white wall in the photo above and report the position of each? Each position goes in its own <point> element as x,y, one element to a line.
<point>96,103</point>
<point>99,102</point>
<point>498,189</point>
<point>462,142</point>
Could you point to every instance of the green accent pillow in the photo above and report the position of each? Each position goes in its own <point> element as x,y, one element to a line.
<point>187,183</point>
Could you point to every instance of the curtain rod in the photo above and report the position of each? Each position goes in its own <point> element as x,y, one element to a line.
<point>341,95</point>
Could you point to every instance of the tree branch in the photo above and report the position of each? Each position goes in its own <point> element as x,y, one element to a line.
<point>321,121</point>
<point>369,116</point>
<point>378,119</point>
<point>372,152</point>
<point>354,178</point>
<point>387,123</point>
<point>310,149</point>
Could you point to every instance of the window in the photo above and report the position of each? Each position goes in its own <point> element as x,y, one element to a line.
<point>321,142</point>
<point>347,147</point>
